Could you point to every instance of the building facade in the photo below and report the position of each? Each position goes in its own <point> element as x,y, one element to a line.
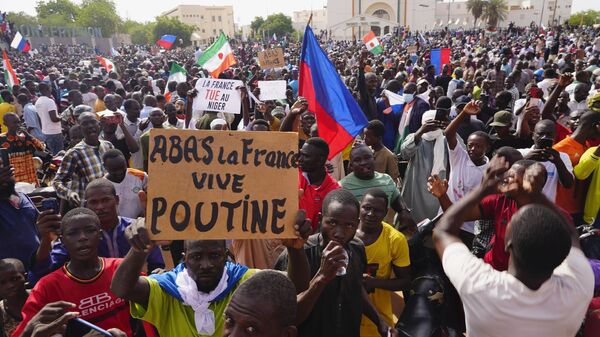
<point>354,18</point>
<point>319,19</point>
<point>209,21</point>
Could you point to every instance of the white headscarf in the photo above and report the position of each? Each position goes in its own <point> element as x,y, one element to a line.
<point>438,148</point>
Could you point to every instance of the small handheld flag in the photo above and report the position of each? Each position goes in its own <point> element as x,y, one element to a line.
<point>372,43</point>
<point>166,41</point>
<point>114,52</point>
<point>218,57</point>
<point>106,63</point>
<point>10,77</point>
<point>20,43</point>
<point>439,57</point>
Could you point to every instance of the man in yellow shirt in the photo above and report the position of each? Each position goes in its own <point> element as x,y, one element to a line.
<point>387,252</point>
<point>5,107</point>
<point>589,164</point>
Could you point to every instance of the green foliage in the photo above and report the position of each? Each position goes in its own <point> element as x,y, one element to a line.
<point>141,33</point>
<point>256,24</point>
<point>279,24</point>
<point>587,18</point>
<point>476,8</point>
<point>175,27</point>
<point>494,12</point>
<point>99,13</point>
<point>65,9</point>
<point>22,18</point>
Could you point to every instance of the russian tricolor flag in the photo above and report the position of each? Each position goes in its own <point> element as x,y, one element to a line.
<point>439,57</point>
<point>20,43</point>
<point>166,41</point>
<point>339,117</point>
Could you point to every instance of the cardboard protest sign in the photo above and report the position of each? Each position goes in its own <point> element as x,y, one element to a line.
<point>272,90</point>
<point>221,185</point>
<point>412,49</point>
<point>218,95</point>
<point>271,58</point>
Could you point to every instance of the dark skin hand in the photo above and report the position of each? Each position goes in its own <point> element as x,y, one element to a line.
<point>51,320</point>
<point>48,226</point>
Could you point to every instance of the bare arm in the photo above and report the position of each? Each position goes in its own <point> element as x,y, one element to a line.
<point>132,144</point>
<point>54,116</point>
<point>447,229</point>
<point>127,283</point>
<point>298,269</point>
<point>400,282</point>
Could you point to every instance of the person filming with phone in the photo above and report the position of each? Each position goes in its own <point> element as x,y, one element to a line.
<point>557,164</point>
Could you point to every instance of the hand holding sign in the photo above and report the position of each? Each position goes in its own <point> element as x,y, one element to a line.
<point>217,95</point>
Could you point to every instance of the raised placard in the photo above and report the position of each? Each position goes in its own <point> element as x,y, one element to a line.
<point>221,184</point>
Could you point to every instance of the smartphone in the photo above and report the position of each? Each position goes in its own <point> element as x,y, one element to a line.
<point>545,143</point>
<point>50,204</point>
<point>5,160</point>
<point>78,328</point>
<point>440,115</point>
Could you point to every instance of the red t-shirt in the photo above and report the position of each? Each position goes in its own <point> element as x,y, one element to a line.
<point>500,209</point>
<point>95,302</point>
<point>312,199</point>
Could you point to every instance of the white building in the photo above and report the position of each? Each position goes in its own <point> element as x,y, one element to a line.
<point>210,21</point>
<point>348,18</point>
<point>319,19</point>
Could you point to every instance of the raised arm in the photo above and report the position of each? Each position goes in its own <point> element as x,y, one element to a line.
<point>448,228</point>
<point>471,109</point>
<point>297,109</point>
<point>332,259</point>
<point>126,282</point>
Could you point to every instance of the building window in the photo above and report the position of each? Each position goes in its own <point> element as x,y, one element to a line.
<point>220,30</point>
<point>203,31</point>
<point>219,18</point>
<point>213,18</point>
<point>214,31</point>
<point>202,17</point>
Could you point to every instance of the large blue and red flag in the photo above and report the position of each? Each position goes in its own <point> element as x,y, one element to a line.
<point>439,57</point>
<point>166,41</point>
<point>20,43</point>
<point>339,117</point>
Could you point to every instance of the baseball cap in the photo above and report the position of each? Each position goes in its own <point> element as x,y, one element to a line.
<point>502,118</point>
<point>462,100</point>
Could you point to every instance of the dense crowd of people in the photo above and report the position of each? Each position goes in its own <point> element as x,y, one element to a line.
<point>502,140</point>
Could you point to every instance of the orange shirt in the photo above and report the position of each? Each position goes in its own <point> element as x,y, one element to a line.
<point>571,199</point>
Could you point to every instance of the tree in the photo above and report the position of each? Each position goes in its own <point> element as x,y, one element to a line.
<point>175,27</point>
<point>22,18</point>
<point>586,18</point>
<point>99,13</point>
<point>476,8</point>
<point>279,24</point>
<point>256,24</point>
<point>64,9</point>
<point>494,12</point>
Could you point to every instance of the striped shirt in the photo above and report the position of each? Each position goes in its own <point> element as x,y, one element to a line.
<point>81,164</point>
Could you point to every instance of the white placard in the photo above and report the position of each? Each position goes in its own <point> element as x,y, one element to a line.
<point>218,95</point>
<point>272,90</point>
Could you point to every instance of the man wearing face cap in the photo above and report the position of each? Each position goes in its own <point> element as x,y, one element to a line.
<point>427,153</point>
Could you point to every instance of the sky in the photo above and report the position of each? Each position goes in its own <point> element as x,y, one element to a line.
<point>244,11</point>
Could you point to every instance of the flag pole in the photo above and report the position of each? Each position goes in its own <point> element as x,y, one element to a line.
<point>309,19</point>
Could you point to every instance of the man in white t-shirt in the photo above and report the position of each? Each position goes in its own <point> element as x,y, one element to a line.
<point>549,283</point>
<point>467,165</point>
<point>128,183</point>
<point>557,164</point>
<point>50,119</point>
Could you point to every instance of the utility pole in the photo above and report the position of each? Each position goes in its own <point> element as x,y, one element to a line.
<point>543,6</point>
